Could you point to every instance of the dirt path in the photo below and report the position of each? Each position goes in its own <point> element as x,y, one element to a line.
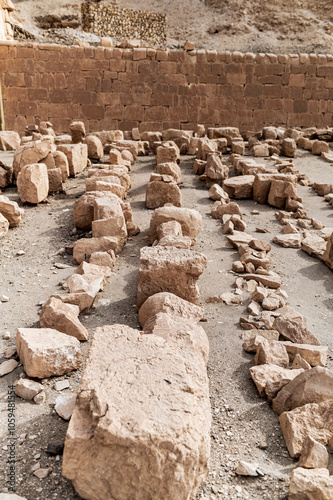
<point>244,425</point>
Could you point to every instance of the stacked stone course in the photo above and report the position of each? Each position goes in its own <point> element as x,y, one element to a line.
<point>155,89</point>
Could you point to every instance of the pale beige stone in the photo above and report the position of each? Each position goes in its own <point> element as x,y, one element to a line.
<point>171,169</point>
<point>312,386</point>
<point>55,180</point>
<point>64,405</point>
<point>33,183</point>
<point>171,228</point>
<point>114,188</point>
<point>126,419</point>
<point>328,255</point>
<point>319,147</point>
<point>62,317</point>
<point>84,247</point>
<point>314,355</point>
<point>95,147</point>
<point>299,362</point>
<point>288,240</point>
<point>314,455</point>
<point>8,366</point>
<point>4,226</point>
<point>315,420</point>
<point>251,338</point>
<point>85,283</point>
<point>30,154</point>
<point>222,207</point>
<point>310,484</point>
<point>165,302</point>
<point>104,259</point>
<point>119,171</point>
<point>95,269</point>
<point>271,352</point>
<point>182,331</point>
<point>246,469</point>
<point>288,147</point>
<point>168,152</point>
<point>84,300</point>
<point>77,131</point>
<point>113,226</point>
<point>270,378</point>
<point>314,245</point>
<point>260,150</point>
<point>9,140</point>
<point>169,270</point>
<point>60,161</point>
<point>27,389</point>
<point>189,219</point>
<point>77,157</point>
<point>216,192</point>
<point>158,193</point>
<point>45,352</point>
<point>239,187</point>
<point>296,331</point>
<point>215,168</point>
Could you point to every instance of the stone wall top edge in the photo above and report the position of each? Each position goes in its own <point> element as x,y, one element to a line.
<point>202,55</point>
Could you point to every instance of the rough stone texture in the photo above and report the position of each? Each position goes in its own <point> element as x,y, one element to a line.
<point>77,131</point>
<point>239,187</point>
<point>95,269</point>
<point>45,352</point>
<point>85,247</point>
<point>8,366</point>
<point>27,389</point>
<point>171,228</point>
<point>288,147</point>
<point>33,183</point>
<point>312,386</point>
<point>158,193</point>
<point>105,259</point>
<point>4,226</point>
<point>165,302</point>
<point>314,455</point>
<point>189,219</point>
<point>115,171</point>
<point>315,420</point>
<point>216,169</point>
<point>168,152</point>
<point>270,379</point>
<point>77,156</point>
<point>182,331</point>
<point>314,245</point>
<point>314,355</point>
<point>295,330</point>
<point>95,147</point>
<point>64,405</point>
<point>222,207</point>
<point>91,182</point>
<point>11,211</point>
<point>328,255</point>
<point>11,496</point>
<point>169,270</point>
<point>288,240</point>
<point>308,484</point>
<point>55,180</point>
<point>172,169</point>
<point>60,161</point>
<point>271,352</point>
<point>251,338</point>
<point>85,283</point>
<point>216,192</point>
<point>125,424</point>
<point>29,154</point>
<point>62,317</point>
<point>9,140</point>
<point>114,226</point>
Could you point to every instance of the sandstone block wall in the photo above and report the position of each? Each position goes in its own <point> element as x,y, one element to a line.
<point>123,23</point>
<point>156,89</point>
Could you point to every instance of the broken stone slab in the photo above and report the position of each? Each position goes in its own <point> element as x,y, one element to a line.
<point>288,147</point>
<point>271,352</point>
<point>4,226</point>
<point>158,193</point>
<point>84,300</point>
<point>77,131</point>
<point>299,362</point>
<point>314,355</point>
<point>114,226</point>
<point>77,157</point>
<point>9,140</point>
<point>270,379</point>
<point>93,182</point>
<point>85,283</point>
<point>8,366</point>
<point>189,219</point>
<point>231,299</point>
<point>33,183</point>
<point>45,352</point>
<point>103,259</point>
<point>181,242</point>
<point>221,208</point>
<point>95,269</point>
<point>251,338</point>
<point>102,184</point>
<point>288,240</point>
<point>295,330</point>
<point>28,389</point>
<point>314,245</point>
<point>216,192</point>
<point>271,281</point>
<point>85,247</point>
<point>168,152</point>
<point>60,161</point>
<point>29,154</point>
<point>170,386</point>
<point>308,484</point>
<point>11,496</point>
<point>169,303</point>
<point>328,255</point>
<point>246,469</point>
<point>169,270</point>
<point>95,147</point>
<point>312,386</point>
<point>181,331</point>
<point>55,180</point>
<point>62,317</point>
<point>239,238</point>
<point>239,187</point>
<point>216,169</point>
<point>11,211</point>
<point>171,228</point>
<point>172,169</point>
<point>314,455</point>
<point>315,420</point>
<point>6,174</point>
<point>64,405</point>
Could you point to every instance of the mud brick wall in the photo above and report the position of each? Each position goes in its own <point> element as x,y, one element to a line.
<point>157,89</point>
<point>123,23</point>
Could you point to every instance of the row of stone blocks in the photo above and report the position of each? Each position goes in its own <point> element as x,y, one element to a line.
<point>140,428</point>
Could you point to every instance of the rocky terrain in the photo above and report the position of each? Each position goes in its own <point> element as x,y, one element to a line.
<point>281,27</point>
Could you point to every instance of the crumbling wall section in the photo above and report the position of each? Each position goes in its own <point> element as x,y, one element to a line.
<point>123,23</point>
<point>156,89</point>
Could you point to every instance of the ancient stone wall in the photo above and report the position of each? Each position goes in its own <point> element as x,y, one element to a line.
<point>159,89</point>
<point>121,23</point>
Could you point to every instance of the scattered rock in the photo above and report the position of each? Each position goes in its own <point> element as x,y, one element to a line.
<point>314,455</point>
<point>64,405</point>
<point>308,484</point>
<point>246,469</point>
<point>27,389</point>
<point>270,379</point>
<point>7,367</point>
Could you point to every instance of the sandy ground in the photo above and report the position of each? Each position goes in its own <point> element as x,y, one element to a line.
<point>250,25</point>
<point>244,425</point>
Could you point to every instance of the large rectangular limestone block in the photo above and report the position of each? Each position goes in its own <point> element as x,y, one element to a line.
<point>77,156</point>
<point>140,427</point>
<point>167,269</point>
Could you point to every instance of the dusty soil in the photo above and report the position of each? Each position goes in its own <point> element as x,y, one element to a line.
<point>244,425</point>
<point>251,25</point>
